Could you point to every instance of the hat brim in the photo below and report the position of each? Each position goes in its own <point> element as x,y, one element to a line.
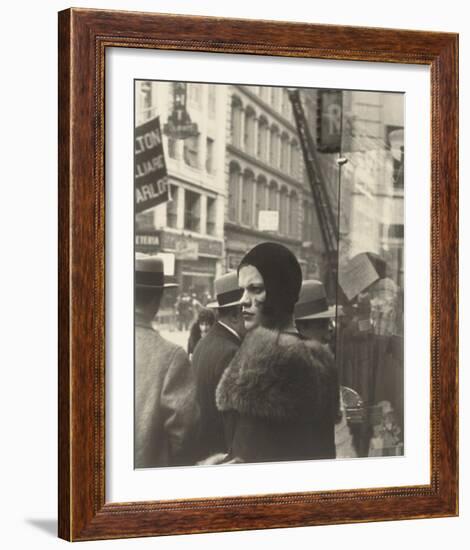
<point>329,313</point>
<point>215,305</point>
<point>166,285</point>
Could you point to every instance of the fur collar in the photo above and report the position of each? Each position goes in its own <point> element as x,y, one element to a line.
<point>276,375</point>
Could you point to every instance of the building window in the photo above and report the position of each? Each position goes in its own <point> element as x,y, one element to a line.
<point>260,201</point>
<point>398,170</point>
<point>192,211</point>
<point>195,93</point>
<point>191,151</point>
<point>211,98</point>
<point>211,211</point>
<point>272,97</point>
<point>294,159</point>
<point>233,192</point>
<point>209,155</point>
<point>273,147</point>
<point>249,137</point>
<point>146,100</point>
<point>236,122</point>
<point>272,196</point>
<point>277,98</point>
<point>172,147</point>
<point>263,136</point>
<point>307,229</point>
<point>294,216</point>
<point>284,212</point>
<point>247,199</point>
<point>285,152</point>
<point>286,104</point>
<point>172,206</point>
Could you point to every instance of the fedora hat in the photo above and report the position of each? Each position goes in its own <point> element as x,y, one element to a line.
<point>149,272</point>
<point>227,291</point>
<point>312,302</point>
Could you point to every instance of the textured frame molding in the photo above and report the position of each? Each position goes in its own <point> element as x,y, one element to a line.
<point>84,36</point>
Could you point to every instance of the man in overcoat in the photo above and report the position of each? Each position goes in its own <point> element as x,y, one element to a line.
<point>211,357</point>
<point>166,411</point>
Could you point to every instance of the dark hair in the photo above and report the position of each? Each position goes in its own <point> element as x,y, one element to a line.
<point>282,277</point>
<point>206,316</point>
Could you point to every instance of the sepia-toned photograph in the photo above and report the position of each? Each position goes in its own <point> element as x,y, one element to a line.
<point>269,274</point>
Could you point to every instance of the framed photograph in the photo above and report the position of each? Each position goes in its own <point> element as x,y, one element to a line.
<point>258,274</point>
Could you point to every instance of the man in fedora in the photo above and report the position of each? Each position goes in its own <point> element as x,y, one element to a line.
<point>313,319</point>
<point>166,411</point>
<point>313,316</point>
<point>211,357</point>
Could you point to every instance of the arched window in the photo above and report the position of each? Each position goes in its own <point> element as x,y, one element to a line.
<point>236,121</point>
<point>283,211</point>
<point>274,147</point>
<point>286,104</point>
<point>233,192</point>
<point>285,152</point>
<point>294,159</point>
<point>247,198</point>
<point>263,136</point>
<point>294,216</point>
<point>272,198</point>
<point>307,221</point>
<point>260,198</point>
<point>249,137</point>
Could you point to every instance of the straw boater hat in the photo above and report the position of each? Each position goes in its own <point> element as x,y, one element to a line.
<point>312,303</point>
<point>149,272</point>
<point>227,291</point>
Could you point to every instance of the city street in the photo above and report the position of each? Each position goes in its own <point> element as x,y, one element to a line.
<point>177,337</point>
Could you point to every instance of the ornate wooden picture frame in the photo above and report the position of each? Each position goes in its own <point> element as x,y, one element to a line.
<point>84,36</point>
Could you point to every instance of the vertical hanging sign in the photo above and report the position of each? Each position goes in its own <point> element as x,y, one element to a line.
<point>150,176</point>
<point>329,121</point>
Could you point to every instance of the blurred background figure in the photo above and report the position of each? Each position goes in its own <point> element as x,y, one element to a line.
<point>199,329</point>
<point>315,321</point>
<point>314,318</point>
<point>184,311</point>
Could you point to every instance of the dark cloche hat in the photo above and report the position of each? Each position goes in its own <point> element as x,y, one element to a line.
<point>281,273</point>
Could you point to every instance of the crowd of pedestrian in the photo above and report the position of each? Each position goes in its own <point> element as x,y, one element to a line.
<point>258,382</point>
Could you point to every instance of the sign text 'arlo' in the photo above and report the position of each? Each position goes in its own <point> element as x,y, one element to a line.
<point>150,177</point>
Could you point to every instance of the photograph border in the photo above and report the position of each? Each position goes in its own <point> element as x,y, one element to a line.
<point>84,36</point>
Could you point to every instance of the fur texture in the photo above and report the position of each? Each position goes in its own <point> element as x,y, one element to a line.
<point>277,375</point>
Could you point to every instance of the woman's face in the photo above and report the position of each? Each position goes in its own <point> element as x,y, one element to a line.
<point>204,326</point>
<point>254,295</point>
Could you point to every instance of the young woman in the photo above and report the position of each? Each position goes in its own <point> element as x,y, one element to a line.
<point>280,392</point>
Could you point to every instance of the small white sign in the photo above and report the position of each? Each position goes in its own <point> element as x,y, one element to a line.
<point>168,259</point>
<point>268,220</point>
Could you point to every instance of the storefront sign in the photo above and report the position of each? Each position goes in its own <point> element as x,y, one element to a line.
<point>150,177</point>
<point>187,250</point>
<point>152,240</point>
<point>193,245</point>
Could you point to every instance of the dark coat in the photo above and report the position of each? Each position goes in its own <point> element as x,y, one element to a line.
<point>166,412</point>
<point>280,399</point>
<point>211,357</point>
